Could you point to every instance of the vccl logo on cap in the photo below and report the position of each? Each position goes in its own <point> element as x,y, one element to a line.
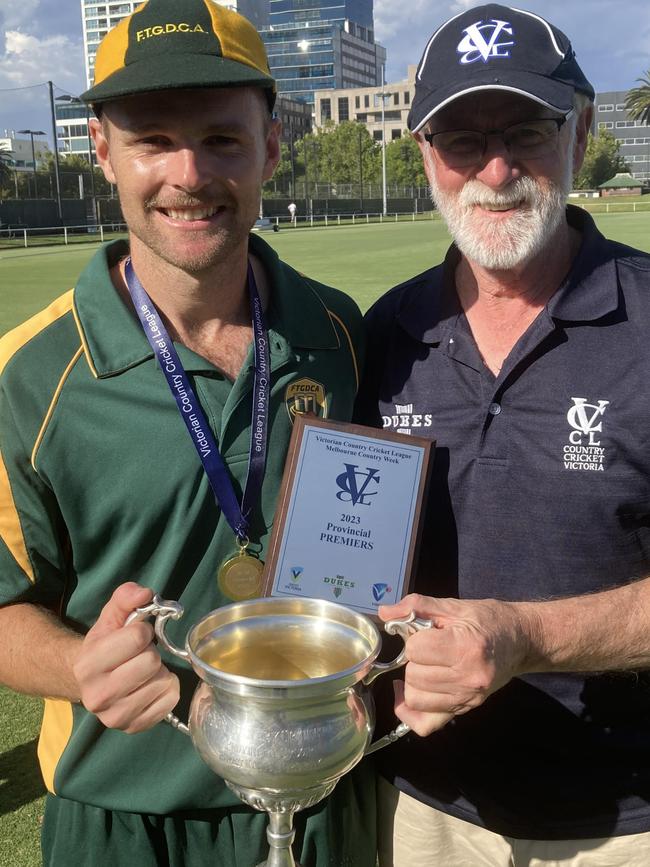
<point>473,46</point>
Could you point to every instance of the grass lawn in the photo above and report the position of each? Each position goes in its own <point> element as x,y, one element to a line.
<point>21,787</point>
<point>363,260</point>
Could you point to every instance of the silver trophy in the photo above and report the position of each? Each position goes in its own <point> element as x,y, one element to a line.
<point>282,710</point>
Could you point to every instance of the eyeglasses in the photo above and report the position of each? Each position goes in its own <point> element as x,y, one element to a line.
<point>530,140</point>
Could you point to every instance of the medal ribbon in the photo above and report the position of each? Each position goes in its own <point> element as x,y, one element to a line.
<point>237,516</point>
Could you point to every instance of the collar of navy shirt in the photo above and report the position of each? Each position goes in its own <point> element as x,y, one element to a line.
<point>589,292</point>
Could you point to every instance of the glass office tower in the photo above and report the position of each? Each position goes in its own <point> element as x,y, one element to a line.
<point>318,44</point>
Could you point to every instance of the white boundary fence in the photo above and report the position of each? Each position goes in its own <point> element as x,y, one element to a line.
<point>348,219</point>
<point>604,207</point>
<point>58,235</point>
<point>68,235</point>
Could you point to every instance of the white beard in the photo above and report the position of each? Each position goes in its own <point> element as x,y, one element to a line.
<point>511,242</point>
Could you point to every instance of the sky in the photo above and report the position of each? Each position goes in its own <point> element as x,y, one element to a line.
<point>41,40</point>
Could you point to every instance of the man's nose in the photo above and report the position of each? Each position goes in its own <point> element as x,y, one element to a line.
<point>497,168</point>
<point>188,169</point>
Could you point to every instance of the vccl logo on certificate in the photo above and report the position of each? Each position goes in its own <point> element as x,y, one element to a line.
<point>347,524</point>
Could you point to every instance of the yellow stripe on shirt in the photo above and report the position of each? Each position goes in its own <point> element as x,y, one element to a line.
<point>18,337</point>
<point>55,397</point>
<point>56,730</point>
<point>10,526</point>
<point>352,352</point>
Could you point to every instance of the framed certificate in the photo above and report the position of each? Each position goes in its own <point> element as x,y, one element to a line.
<point>348,519</point>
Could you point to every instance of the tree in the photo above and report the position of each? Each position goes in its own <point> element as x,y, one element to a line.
<point>637,101</point>
<point>280,183</point>
<point>345,154</point>
<point>6,163</point>
<point>404,165</point>
<point>342,154</point>
<point>70,167</point>
<point>602,161</point>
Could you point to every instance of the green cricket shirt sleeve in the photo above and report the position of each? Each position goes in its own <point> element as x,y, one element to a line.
<point>32,562</point>
<point>33,538</point>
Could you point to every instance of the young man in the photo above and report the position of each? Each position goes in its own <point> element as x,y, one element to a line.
<point>179,347</point>
<point>524,356</point>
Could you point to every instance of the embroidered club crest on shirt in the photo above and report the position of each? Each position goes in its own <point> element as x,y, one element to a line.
<point>585,451</point>
<point>305,395</point>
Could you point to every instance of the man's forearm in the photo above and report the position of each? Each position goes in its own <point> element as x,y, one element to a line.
<point>38,652</point>
<point>606,631</point>
<point>115,670</point>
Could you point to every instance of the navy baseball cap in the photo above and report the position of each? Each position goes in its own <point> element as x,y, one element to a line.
<point>496,47</point>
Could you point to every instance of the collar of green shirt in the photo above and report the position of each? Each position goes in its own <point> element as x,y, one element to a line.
<point>114,340</point>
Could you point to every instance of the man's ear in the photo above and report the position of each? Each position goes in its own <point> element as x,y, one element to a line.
<point>100,137</point>
<point>272,147</point>
<point>427,154</point>
<point>583,127</point>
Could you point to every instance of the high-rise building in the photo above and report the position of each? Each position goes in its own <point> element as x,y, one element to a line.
<point>634,135</point>
<point>97,18</point>
<point>364,105</point>
<point>296,11</point>
<point>26,154</point>
<point>321,44</point>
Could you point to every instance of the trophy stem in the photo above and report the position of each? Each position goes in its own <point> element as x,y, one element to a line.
<point>280,834</point>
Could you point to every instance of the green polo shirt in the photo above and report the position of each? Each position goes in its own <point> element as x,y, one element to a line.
<point>100,483</point>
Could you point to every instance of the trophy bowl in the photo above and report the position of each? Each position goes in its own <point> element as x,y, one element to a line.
<point>282,710</point>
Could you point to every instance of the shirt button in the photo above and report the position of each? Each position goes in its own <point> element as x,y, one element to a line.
<point>494,408</point>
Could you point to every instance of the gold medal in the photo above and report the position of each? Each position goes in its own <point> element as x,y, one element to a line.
<point>240,577</point>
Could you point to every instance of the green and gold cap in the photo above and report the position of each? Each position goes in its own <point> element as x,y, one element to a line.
<point>171,44</point>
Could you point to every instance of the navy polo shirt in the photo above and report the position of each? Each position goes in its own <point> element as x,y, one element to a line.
<point>540,489</point>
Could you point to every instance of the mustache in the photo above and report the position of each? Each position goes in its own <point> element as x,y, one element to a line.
<point>520,190</point>
<point>184,201</point>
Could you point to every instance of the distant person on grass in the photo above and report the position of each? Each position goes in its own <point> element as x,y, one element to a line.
<point>102,484</point>
<point>526,355</point>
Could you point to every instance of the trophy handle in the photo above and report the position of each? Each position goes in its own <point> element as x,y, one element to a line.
<point>404,628</point>
<point>163,610</point>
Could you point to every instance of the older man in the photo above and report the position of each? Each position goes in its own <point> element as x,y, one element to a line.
<point>525,356</point>
<point>127,419</point>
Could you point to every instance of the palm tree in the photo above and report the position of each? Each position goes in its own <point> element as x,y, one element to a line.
<point>637,101</point>
<point>6,162</point>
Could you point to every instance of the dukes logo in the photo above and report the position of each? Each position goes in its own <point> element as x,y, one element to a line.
<point>474,45</point>
<point>405,419</point>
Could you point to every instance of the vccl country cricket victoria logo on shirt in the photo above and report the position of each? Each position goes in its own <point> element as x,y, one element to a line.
<point>585,450</point>
<point>483,41</point>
